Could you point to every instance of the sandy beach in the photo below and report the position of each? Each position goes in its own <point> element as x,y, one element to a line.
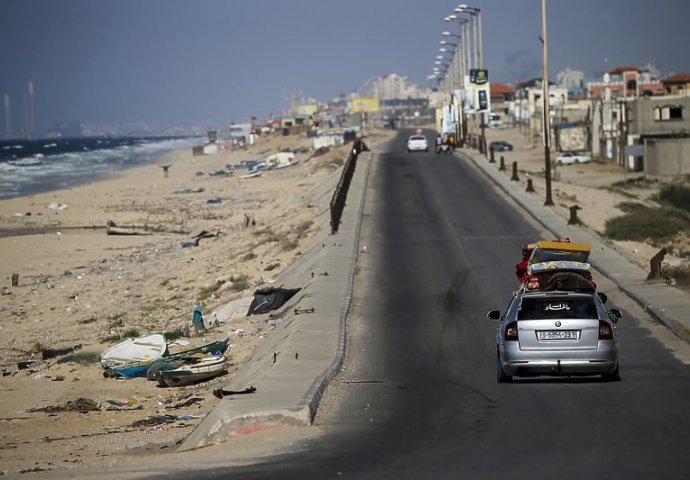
<point>79,286</point>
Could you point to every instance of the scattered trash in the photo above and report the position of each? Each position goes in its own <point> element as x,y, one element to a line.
<point>154,421</point>
<point>85,405</point>
<point>214,201</point>
<point>220,393</point>
<point>198,320</point>
<point>300,311</point>
<point>112,229</point>
<point>189,190</point>
<point>48,353</point>
<point>221,173</point>
<point>270,298</point>
<point>57,206</point>
<point>186,403</point>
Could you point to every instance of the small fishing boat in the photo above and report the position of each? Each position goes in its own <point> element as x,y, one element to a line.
<point>135,350</point>
<point>177,358</point>
<point>143,367</point>
<point>197,371</point>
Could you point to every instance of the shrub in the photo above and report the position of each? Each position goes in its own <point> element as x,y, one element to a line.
<point>642,223</point>
<point>82,358</point>
<point>676,195</point>
<point>239,282</point>
<point>206,292</point>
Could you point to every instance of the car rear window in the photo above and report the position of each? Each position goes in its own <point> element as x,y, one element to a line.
<point>551,308</point>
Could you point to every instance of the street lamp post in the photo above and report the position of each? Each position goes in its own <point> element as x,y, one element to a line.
<point>475,15</point>
<point>463,54</point>
<point>458,62</point>
<point>545,109</point>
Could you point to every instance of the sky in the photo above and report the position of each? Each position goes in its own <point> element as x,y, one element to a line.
<point>210,62</point>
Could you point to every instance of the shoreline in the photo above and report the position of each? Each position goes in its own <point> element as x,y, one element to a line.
<point>87,179</point>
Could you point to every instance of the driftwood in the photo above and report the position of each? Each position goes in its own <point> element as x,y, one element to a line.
<point>113,229</point>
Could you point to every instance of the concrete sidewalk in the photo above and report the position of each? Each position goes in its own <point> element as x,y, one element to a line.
<point>293,366</point>
<point>665,303</point>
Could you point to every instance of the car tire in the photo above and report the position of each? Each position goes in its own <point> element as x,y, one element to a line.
<point>614,376</point>
<point>501,376</point>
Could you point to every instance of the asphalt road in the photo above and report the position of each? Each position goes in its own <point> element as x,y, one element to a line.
<point>418,396</point>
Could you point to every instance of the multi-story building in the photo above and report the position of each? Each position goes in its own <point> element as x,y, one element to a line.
<point>625,82</point>
<point>677,84</point>
<point>656,133</point>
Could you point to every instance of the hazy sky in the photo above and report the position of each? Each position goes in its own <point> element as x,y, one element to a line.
<point>179,62</point>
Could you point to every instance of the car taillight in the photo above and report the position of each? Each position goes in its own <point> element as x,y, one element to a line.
<point>511,333</point>
<point>605,331</point>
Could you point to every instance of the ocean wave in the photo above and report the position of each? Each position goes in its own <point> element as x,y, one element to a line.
<point>75,161</point>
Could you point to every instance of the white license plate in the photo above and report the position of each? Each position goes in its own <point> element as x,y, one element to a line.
<point>557,335</point>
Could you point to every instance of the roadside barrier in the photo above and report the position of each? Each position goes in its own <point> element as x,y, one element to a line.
<point>340,193</point>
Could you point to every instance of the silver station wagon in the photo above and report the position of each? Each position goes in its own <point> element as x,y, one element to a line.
<point>556,333</point>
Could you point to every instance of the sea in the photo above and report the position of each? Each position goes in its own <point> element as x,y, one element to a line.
<point>28,167</point>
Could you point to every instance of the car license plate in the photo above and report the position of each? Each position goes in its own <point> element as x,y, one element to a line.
<point>557,335</point>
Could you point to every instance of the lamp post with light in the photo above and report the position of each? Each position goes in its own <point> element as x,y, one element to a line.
<point>475,15</point>
<point>454,78</point>
<point>545,109</point>
<point>459,101</point>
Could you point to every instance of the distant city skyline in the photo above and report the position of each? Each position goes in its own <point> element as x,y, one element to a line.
<point>171,62</point>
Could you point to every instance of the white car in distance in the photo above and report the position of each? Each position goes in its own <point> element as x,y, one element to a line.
<point>569,158</point>
<point>417,143</point>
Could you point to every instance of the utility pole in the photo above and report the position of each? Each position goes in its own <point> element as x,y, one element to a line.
<point>546,112</point>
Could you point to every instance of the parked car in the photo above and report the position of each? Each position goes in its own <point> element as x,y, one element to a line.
<point>494,121</point>
<point>417,143</point>
<point>568,158</point>
<point>556,333</point>
<point>500,146</point>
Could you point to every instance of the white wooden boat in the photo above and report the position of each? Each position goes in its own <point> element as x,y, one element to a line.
<point>135,350</point>
<point>203,369</point>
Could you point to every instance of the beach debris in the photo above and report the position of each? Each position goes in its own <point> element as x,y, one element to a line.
<point>214,201</point>
<point>220,393</point>
<point>48,353</point>
<point>270,298</point>
<point>206,234</point>
<point>300,311</point>
<point>57,206</point>
<point>86,405</point>
<point>280,160</point>
<point>185,403</point>
<point>199,236</point>
<point>15,279</point>
<point>198,320</point>
<point>165,167</point>
<point>249,220</point>
<point>221,173</point>
<point>112,229</point>
<point>154,421</point>
<point>252,174</point>
<point>189,190</point>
